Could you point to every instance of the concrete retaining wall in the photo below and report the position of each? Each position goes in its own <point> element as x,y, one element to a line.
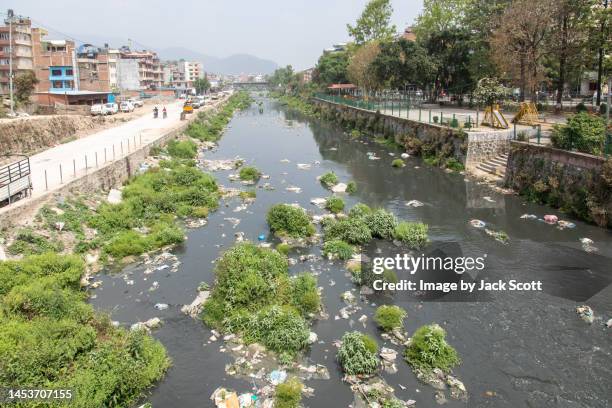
<point>578,183</point>
<point>483,146</point>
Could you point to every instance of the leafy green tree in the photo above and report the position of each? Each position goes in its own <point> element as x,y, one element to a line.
<point>332,68</point>
<point>404,62</point>
<point>201,85</point>
<point>24,86</point>
<point>283,77</point>
<point>374,23</point>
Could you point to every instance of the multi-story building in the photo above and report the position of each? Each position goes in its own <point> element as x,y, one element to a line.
<point>191,71</point>
<point>93,67</point>
<point>20,40</point>
<point>139,70</point>
<point>307,75</point>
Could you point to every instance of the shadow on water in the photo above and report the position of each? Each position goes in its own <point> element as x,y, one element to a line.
<point>517,349</point>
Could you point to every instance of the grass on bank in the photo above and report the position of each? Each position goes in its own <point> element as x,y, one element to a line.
<point>208,126</point>
<point>51,338</point>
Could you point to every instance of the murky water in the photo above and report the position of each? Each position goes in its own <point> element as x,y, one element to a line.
<point>517,349</point>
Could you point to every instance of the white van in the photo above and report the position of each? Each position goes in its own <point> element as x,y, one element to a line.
<point>126,106</point>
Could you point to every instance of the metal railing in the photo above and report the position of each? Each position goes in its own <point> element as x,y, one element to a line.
<point>15,178</point>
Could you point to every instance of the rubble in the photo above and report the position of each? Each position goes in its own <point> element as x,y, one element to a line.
<point>114,196</point>
<point>195,307</point>
<point>585,313</point>
<point>227,164</point>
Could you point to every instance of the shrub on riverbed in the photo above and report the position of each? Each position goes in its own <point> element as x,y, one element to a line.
<point>28,242</point>
<point>304,294</point>
<point>285,219</point>
<point>381,223</point>
<point>360,210</point>
<point>351,187</point>
<point>338,249</point>
<point>184,149</point>
<point>249,173</point>
<point>412,233</point>
<point>351,230</point>
<point>334,204</point>
<point>429,349</point>
<point>398,163</point>
<point>288,394</point>
<point>389,317</point>
<point>329,179</point>
<point>355,356</point>
<point>51,338</point>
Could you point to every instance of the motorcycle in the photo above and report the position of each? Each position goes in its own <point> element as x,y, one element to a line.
<point>155,114</point>
<point>165,114</point>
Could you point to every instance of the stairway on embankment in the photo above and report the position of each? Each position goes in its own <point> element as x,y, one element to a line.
<point>495,166</point>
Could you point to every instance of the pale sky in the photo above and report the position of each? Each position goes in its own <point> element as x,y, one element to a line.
<point>287,32</point>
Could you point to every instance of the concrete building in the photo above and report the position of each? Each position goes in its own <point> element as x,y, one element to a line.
<point>143,67</point>
<point>21,38</point>
<point>93,67</point>
<point>307,75</point>
<point>191,71</point>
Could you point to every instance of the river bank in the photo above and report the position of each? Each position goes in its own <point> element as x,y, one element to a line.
<point>41,290</point>
<point>494,339</point>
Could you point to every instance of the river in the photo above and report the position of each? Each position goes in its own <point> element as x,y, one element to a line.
<point>518,349</point>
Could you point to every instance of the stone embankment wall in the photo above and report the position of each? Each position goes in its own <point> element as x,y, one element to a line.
<point>27,135</point>
<point>483,146</point>
<point>428,140</point>
<point>577,183</point>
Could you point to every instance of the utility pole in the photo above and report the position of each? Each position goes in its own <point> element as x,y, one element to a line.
<point>601,52</point>
<point>10,19</point>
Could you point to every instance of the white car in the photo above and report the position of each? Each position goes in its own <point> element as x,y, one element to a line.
<point>126,106</point>
<point>96,109</point>
<point>138,103</point>
<point>110,109</point>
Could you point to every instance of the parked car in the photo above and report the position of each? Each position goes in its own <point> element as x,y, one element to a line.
<point>196,104</point>
<point>126,106</point>
<point>138,103</point>
<point>110,109</point>
<point>96,109</point>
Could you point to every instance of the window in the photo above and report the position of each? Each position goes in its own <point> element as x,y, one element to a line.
<point>69,84</point>
<point>56,72</point>
<point>69,72</point>
<point>4,36</point>
<point>4,61</point>
<point>57,84</point>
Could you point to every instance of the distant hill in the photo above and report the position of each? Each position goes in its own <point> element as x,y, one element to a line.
<point>234,64</point>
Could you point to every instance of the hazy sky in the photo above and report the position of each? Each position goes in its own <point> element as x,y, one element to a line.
<point>287,32</point>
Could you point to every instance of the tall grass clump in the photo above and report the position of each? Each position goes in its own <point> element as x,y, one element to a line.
<point>429,349</point>
<point>389,317</point>
<point>414,234</point>
<point>357,354</point>
<point>287,220</point>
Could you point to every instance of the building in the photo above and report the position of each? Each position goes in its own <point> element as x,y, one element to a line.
<point>21,39</point>
<point>335,48</point>
<point>59,73</point>
<point>93,67</point>
<point>409,34</point>
<point>191,71</point>
<point>307,75</point>
<point>139,70</point>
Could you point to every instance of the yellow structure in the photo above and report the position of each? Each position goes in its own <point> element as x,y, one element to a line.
<point>527,114</point>
<point>494,118</point>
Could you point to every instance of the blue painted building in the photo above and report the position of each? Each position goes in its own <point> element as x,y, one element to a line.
<point>61,79</point>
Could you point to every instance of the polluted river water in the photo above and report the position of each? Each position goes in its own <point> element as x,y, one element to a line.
<point>517,349</point>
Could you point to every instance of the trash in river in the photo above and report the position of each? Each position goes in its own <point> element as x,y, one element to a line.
<point>294,189</point>
<point>152,323</point>
<point>551,219</point>
<point>348,297</point>
<point>388,354</point>
<point>405,155</point>
<point>241,207</point>
<point>195,307</point>
<point>585,313</point>
<point>414,203</point>
<point>529,216</point>
<point>587,245</point>
<point>155,286</point>
<point>161,306</point>
<point>339,188</point>
<point>489,199</point>
<point>500,236</point>
<point>59,225</point>
<point>225,399</point>
<point>319,202</point>
<point>228,164</point>
<point>261,237</point>
<point>609,324</point>
<point>562,224</point>
<point>304,166</point>
<point>312,337</point>
<point>477,223</point>
<point>278,377</point>
<point>114,196</point>
<point>233,221</point>
<point>285,161</point>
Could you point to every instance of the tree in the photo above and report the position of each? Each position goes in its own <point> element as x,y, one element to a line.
<point>24,86</point>
<point>519,43</point>
<point>440,15</point>
<point>403,62</point>
<point>281,77</point>
<point>489,91</point>
<point>201,85</point>
<point>360,70</point>
<point>332,68</point>
<point>568,43</point>
<point>374,23</point>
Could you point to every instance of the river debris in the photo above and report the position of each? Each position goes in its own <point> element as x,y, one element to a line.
<point>195,308</point>
<point>478,223</point>
<point>488,199</point>
<point>319,202</point>
<point>339,188</point>
<point>294,189</point>
<point>114,196</point>
<point>587,245</point>
<point>372,156</point>
<point>499,236</point>
<point>443,382</point>
<point>285,161</point>
<point>304,166</point>
<point>148,325</point>
<point>585,313</point>
<point>551,219</point>
<point>414,203</point>
<point>233,221</point>
<point>529,217</point>
<point>159,262</point>
<point>161,306</point>
<point>222,164</point>
<point>373,392</point>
